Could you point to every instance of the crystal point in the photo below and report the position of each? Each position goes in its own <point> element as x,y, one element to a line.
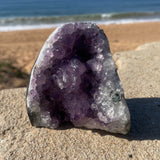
<point>74,80</point>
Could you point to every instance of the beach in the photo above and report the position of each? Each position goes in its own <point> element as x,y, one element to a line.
<point>81,90</point>
<point>19,49</point>
<point>139,73</point>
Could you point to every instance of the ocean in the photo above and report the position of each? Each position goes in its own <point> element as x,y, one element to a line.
<point>34,14</point>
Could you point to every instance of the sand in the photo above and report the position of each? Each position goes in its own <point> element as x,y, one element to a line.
<point>20,49</point>
<point>139,72</point>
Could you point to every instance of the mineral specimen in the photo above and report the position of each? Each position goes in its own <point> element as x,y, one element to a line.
<point>75,80</point>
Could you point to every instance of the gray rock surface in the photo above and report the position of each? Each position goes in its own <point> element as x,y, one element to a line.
<point>139,72</point>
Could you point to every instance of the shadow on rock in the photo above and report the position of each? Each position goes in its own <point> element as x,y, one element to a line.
<point>145,118</point>
<point>12,77</point>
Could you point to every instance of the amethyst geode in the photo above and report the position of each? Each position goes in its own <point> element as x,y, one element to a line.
<point>75,80</point>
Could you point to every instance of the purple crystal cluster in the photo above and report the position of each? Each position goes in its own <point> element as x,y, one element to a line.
<point>74,80</point>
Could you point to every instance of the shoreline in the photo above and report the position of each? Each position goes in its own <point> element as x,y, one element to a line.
<point>20,49</point>
<point>19,27</point>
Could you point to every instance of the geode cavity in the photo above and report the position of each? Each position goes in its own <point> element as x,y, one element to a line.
<point>75,80</point>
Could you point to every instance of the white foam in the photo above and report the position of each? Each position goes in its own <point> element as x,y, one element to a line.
<point>106,15</point>
<point>126,21</point>
<point>27,27</point>
<point>44,26</point>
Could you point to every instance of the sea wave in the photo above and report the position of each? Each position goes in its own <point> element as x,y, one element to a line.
<point>23,23</point>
